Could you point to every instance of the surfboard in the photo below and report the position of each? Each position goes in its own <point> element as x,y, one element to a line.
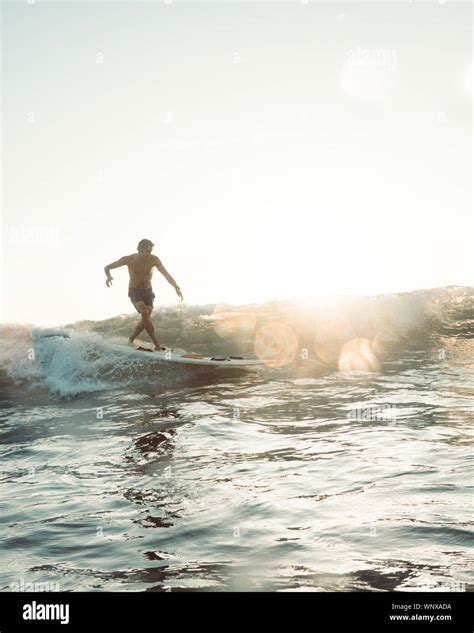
<point>169,355</point>
<point>165,355</point>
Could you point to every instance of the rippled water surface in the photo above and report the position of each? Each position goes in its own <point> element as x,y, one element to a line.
<point>287,479</point>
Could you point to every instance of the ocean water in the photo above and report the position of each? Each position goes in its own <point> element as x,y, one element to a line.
<point>343,464</point>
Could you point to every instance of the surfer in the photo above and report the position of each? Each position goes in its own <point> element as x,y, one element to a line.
<point>140,268</point>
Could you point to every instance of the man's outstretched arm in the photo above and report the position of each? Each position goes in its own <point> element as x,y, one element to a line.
<point>120,262</point>
<point>168,277</point>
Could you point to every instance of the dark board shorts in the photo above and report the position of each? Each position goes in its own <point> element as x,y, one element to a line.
<point>141,294</point>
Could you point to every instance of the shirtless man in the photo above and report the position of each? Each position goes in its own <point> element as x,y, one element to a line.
<point>140,268</point>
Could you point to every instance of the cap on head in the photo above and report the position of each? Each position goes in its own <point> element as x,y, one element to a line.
<point>144,243</point>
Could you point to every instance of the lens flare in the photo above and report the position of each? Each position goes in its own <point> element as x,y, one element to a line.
<point>276,344</point>
<point>229,322</point>
<point>358,355</point>
<point>330,338</point>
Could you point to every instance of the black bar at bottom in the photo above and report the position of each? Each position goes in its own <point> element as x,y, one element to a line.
<point>287,612</point>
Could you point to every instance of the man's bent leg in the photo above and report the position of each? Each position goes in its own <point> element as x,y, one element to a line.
<point>140,327</point>
<point>136,331</point>
<point>147,324</point>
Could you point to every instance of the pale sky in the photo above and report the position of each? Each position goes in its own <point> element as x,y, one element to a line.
<point>270,150</point>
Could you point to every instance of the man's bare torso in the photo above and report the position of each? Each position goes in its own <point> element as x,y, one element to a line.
<point>140,269</point>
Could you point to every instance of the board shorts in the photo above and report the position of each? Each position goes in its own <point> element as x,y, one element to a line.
<point>141,294</point>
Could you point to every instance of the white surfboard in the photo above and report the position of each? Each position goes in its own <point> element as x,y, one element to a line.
<point>166,355</point>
